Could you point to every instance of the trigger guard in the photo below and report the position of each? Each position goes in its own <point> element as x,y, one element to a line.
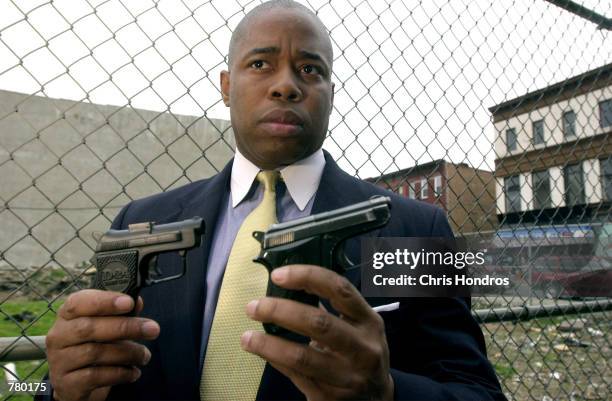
<point>342,261</point>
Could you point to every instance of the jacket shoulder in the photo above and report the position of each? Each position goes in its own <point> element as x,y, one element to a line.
<point>160,207</point>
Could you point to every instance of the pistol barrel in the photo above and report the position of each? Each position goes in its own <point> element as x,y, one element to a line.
<point>183,234</point>
<point>365,215</point>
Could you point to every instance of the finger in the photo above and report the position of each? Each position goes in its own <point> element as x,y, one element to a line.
<point>88,379</point>
<point>95,303</point>
<point>300,358</point>
<point>305,384</point>
<point>101,329</point>
<point>319,346</point>
<point>307,320</point>
<point>126,353</point>
<point>139,305</point>
<point>311,389</point>
<point>327,284</point>
<point>99,394</point>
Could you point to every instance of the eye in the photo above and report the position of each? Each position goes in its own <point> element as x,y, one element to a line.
<point>312,69</point>
<point>258,64</point>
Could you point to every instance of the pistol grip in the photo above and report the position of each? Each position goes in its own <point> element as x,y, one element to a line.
<point>298,296</point>
<point>271,262</point>
<point>118,271</point>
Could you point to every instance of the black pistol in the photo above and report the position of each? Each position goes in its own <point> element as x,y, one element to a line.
<point>126,260</point>
<point>317,240</point>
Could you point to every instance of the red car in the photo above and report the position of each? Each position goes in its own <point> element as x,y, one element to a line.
<point>571,276</point>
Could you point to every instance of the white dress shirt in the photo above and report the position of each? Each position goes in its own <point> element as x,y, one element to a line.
<point>301,178</point>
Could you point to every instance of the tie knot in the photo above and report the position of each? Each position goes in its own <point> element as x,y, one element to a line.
<point>268,178</point>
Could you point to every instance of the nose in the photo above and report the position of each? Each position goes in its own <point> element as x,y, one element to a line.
<point>285,87</point>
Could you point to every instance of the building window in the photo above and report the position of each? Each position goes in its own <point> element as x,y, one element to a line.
<point>512,188</point>
<point>437,185</point>
<point>424,189</point>
<point>538,132</point>
<point>605,113</point>
<point>511,139</point>
<point>569,124</point>
<point>574,184</point>
<point>540,182</point>
<point>606,177</point>
<point>400,190</point>
<point>411,193</point>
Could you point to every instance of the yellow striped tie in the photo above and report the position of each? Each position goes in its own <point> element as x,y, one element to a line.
<point>231,373</point>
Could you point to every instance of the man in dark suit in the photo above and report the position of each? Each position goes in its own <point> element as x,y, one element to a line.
<point>280,94</point>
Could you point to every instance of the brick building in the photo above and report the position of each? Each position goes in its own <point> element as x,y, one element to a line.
<point>553,163</point>
<point>465,193</point>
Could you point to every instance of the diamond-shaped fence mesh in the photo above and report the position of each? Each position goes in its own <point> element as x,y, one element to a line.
<point>500,112</point>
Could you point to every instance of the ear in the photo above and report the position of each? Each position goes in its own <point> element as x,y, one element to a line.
<point>225,86</point>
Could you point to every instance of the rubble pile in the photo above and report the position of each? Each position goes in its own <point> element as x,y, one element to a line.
<point>35,282</point>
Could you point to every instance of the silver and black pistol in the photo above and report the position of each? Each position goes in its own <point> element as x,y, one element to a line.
<point>317,240</point>
<point>126,260</point>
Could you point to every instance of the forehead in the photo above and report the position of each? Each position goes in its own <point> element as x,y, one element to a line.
<point>282,28</point>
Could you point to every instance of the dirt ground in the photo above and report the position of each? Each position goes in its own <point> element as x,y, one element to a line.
<point>561,358</point>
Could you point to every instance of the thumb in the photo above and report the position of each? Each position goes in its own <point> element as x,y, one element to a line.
<point>99,394</point>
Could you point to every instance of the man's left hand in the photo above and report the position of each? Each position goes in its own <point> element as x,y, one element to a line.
<point>348,357</point>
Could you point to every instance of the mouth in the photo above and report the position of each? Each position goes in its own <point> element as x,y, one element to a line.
<point>282,129</point>
<point>282,122</point>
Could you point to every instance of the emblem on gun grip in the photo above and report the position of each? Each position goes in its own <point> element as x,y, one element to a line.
<point>117,271</point>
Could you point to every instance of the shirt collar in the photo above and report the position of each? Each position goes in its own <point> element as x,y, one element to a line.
<point>301,178</point>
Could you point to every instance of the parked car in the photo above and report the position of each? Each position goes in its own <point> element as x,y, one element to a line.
<point>570,276</point>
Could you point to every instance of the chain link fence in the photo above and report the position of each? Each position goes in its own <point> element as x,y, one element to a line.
<point>500,112</point>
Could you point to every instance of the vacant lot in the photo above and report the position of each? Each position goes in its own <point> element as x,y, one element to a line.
<point>566,358</point>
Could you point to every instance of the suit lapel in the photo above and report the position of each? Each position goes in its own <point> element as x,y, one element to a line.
<point>338,189</point>
<point>335,189</point>
<point>184,302</point>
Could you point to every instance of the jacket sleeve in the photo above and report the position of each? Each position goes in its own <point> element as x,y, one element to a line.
<point>437,348</point>
<point>116,224</point>
<point>441,356</point>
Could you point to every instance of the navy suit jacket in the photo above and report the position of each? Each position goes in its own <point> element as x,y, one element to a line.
<point>436,348</point>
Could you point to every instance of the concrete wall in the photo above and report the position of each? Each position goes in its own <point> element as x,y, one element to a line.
<point>66,169</point>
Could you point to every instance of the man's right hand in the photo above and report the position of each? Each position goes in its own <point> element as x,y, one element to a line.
<point>91,346</point>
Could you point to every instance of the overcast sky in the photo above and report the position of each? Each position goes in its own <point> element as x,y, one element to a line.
<point>414,79</point>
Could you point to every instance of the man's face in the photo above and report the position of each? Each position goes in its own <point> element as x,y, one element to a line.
<point>279,88</point>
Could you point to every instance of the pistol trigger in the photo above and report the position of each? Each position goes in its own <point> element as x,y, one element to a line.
<point>343,263</point>
<point>154,267</point>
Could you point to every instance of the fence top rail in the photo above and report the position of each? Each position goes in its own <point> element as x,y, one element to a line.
<point>13,349</point>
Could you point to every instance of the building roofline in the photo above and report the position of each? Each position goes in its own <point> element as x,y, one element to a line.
<point>603,75</point>
<point>437,162</point>
<point>404,170</point>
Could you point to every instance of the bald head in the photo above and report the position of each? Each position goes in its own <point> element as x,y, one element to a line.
<point>243,27</point>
